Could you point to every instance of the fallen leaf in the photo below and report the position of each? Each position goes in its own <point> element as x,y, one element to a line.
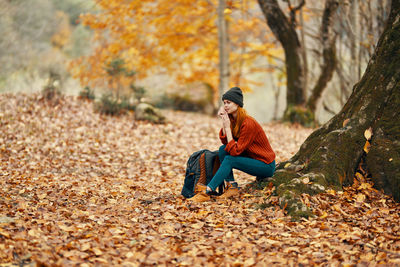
<point>324,215</point>
<point>368,133</point>
<point>97,251</point>
<point>360,197</point>
<point>197,225</point>
<point>367,146</point>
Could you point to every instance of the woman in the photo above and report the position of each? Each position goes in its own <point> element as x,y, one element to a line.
<point>245,145</point>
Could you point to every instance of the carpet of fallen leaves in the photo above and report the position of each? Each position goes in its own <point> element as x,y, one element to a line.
<point>79,188</point>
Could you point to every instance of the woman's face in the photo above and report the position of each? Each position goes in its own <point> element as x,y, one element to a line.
<point>230,107</point>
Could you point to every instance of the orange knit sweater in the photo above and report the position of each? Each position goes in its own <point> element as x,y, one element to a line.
<point>252,142</point>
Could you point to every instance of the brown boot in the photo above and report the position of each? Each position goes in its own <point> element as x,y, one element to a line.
<point>200,197</point>
<point>200,188</point>
<point>230,191</point>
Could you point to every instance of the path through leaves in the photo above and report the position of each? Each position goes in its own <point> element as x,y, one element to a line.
<point>79,188</point>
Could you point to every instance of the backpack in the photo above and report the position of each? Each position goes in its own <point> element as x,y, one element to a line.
<point>201,167</point>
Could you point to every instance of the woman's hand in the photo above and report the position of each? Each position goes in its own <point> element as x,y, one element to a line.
<point>221,111</point>
<point>226,123</point>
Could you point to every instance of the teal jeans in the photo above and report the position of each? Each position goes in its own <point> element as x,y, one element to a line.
<point>248,165</point>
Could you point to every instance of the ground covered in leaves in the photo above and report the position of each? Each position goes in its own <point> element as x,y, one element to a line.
<point>79,188</point>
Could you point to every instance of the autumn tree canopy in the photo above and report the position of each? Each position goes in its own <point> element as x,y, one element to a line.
<point>180,39</point>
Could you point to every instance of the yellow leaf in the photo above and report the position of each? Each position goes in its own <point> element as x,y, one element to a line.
<point>367,146</point>
<point>360,197</point>
<point>324,215</point>
<point>368,133</point>
<point>360,177</point>
<point>287,165</point>
<point>331,191</point>
<point>171,173</point>
<point>345,122</point>
<point>227,11</point>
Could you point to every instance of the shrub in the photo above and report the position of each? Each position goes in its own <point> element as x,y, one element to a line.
<point>51,91</point>
<point>138,92</point>
<point>178,102</point>
<point>113,106</point>
<point>109,105</point>
<point>87,93</point>
<point>126,104</point>
<point>301,115</point>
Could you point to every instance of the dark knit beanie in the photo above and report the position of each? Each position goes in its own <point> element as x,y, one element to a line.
<point>235,95</point>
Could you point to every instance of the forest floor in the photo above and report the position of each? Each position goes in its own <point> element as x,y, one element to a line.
<point>80,189</point>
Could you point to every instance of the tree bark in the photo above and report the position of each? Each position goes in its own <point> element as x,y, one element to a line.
<point>331,154</point>
<point>223,50</point>
<point>328,53</point>
<point>285,32</point>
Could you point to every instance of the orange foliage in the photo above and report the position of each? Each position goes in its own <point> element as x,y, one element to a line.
<point>61,37</point>
<point>179,38</point>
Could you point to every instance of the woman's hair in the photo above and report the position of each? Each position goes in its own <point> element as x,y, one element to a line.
<point>235,124</point>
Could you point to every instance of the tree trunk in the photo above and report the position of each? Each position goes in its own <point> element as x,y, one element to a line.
<point>285,32</point>
<point>331,154</point>
<point>355,43</point>
<point>303,50</point>
<point>223,50</point>
<point>328,53</point>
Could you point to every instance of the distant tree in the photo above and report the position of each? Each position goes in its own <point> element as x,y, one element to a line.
<point>328,40</point>
<point>223,48</point>
<point>284,28</point>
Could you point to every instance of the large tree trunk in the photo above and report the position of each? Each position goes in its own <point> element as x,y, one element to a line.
<point>330,155</point>
<point>328,53</point>
<point>285,32</point>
